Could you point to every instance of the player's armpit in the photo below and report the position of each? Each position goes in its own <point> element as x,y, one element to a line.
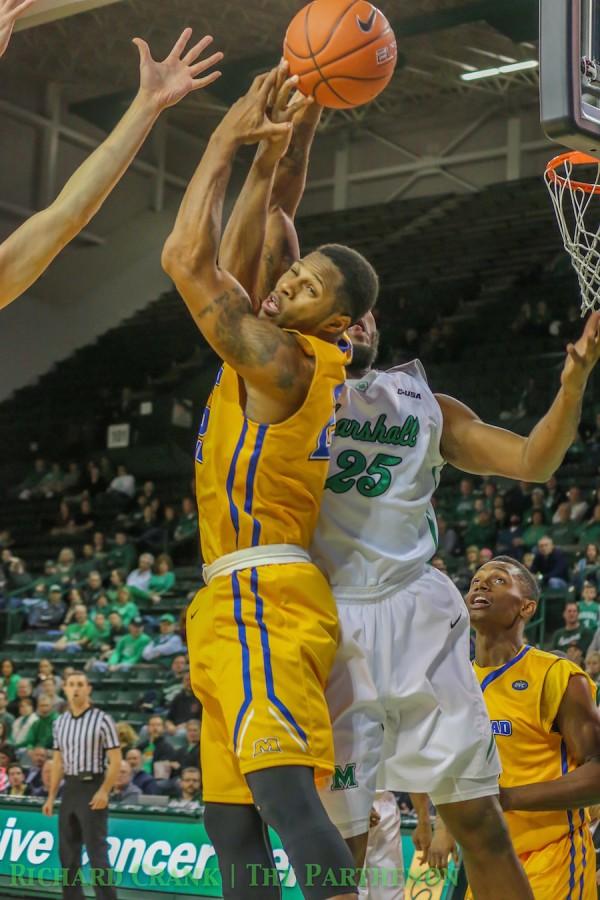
<point>265,356</point>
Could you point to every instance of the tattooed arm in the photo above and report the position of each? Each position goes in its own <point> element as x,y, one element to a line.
<point>268,359</point>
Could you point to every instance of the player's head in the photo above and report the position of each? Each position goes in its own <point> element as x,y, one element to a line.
<point>365,343</point>
<point>323,293</point>
<point>502,598</point>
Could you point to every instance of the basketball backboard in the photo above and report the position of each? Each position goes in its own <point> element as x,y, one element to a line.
<point>570,73</point>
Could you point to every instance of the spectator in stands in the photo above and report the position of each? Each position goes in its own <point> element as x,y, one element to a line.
<point>189,753</point>
<point>590,531</point>
<point>117,627</point>
<point>49,690</point>
<point>75,637</point>
<point>516,499</point>
<point>575,654</point>
<point>40,733</point>
<point>23,722</point>
<point>465,505</point>
<point>447,538</point>
<point>588,567</point>
<point>45,777</point>
<point>84,517</point>
<point>101,634</point>
<point>439,563</point>
<point>564,530</point>
<point>64,522</point>
<point>528,560</point>
<point>589,608</point>
<point>124,790</point>
<point>573,632</point>
<point>190,790</point>
<point>32,479</point>
<point>87,563</point>
<point>73,599</point>
<point>6,718</point>
<point>92,588</point>
<point>9,679</point>
<point>485,555</point>
<point>554,495</point>
<point>72,478</point>
<point>537,503</point>
<point>121,554</point>
<point>156,748</point>
<point>187,526</point>
<point>470,565</point>
<point>167,644</point>
<point>18,578</point>
<point>128,650</point>
<point>140,577</point>
<point>125,606</point>
<point>51,483</point>
<point>116,581</point>
<point>93,482</point>
<point>65,567</point>
<point>24,690</point>
<point>140,777</point>
<point>38,756</point>
<point>122,487</point>
<point>44,672</point>
<point>157,539</point>
<point>579,506</point>
<point>509,541</point>
<point>535,530</point>
<point>177,669</point>
<point>5,733</point>
<point>162,580</point>
<point>128,737</point>
<point>100,551</point>
<point>482,530</point>
<point>592,667</point>
<point>551,564</point>
<point>16,782</point>
<point>184,705</point>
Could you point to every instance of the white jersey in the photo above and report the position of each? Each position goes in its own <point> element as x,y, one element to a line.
<point>377,525</point>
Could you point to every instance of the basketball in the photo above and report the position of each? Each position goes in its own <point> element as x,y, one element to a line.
<point>344,52</point>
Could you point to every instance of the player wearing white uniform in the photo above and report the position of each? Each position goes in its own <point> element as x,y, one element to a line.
<point>403,663</point>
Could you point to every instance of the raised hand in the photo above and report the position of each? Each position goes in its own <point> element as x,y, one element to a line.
<point>248,122</point>
<point>169,81</point>
<point>582,356</point>
<point>10,10</point>
<point>281,109</point>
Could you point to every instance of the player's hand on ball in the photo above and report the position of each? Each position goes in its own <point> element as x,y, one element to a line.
<point>48,807</point>
<point>582,356</point>
<point>248,122</point>
<point>10,10</point>
<point>166,83</point>
<point>283,107</point>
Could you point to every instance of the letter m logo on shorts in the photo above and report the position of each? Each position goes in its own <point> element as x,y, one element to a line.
<point>344,778</point>
<point>266,745</point>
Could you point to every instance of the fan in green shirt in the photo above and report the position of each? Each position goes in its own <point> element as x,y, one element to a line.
<point>9,679</point>
<point>537,530</point>
<point>161,581</point>
<point>125,606</point>
<point>128,651</point>
<point>40,733</point>
<point>573,632</point>
<point>590,532</point>
<point>101,633</point>
<point>589,608</point>
<point>122,554</point>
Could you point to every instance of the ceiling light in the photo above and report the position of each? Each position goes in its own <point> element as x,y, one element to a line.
<point>500,70</point>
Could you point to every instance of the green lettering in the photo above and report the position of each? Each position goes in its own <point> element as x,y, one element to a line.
<point>344,778</point>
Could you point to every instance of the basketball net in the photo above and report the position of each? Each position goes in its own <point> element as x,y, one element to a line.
<point>574,202</point>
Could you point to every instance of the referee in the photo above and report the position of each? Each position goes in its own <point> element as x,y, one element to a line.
<point>83,738</point>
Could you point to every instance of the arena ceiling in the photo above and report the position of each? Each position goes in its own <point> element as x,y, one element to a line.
<point>91,56</point>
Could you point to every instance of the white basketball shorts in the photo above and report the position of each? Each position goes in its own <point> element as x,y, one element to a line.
<point>407,711</point>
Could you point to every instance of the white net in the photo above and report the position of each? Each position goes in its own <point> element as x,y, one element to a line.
<point>576,201</point>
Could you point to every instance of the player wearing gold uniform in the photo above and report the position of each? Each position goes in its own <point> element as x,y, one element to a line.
<point>547,730</point>
<point>263,634</point>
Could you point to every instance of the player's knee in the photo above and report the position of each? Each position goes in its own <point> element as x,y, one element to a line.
<point>296,784</point>
<point>478,825</point>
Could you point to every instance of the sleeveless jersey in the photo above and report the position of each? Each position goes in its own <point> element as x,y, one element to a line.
<point>522,698</point>
<point>262,484</point>
<point>377,523</point>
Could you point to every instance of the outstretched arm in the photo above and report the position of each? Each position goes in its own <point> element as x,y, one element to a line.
<point>10,11</point>
<point>578,721</point>
<point>31,249</point>
<point>482,449</point>
<point>243,241</point>
<point>264,355</point>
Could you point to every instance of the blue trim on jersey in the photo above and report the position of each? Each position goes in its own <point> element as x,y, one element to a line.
<point>260,439</point>
<point>233,511</point>
<point>582,828</point>
<point>564,769</point>
<point>264,640</point>
<point>237,613</point>
<point>498,672</point>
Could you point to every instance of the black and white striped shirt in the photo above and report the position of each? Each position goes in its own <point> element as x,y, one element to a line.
<point>83,740</point>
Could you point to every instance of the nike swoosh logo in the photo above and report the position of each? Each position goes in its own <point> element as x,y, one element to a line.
<point>456,621</point>
<point>366,26</point>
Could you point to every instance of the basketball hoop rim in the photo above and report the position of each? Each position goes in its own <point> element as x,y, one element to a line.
<point>575,158</point>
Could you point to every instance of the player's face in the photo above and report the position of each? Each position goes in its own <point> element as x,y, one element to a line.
<point>305,296</point>
<point>495,599</point>
<point>365,342</point>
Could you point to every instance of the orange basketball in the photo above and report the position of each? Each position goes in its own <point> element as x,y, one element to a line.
<point>344,51</point>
